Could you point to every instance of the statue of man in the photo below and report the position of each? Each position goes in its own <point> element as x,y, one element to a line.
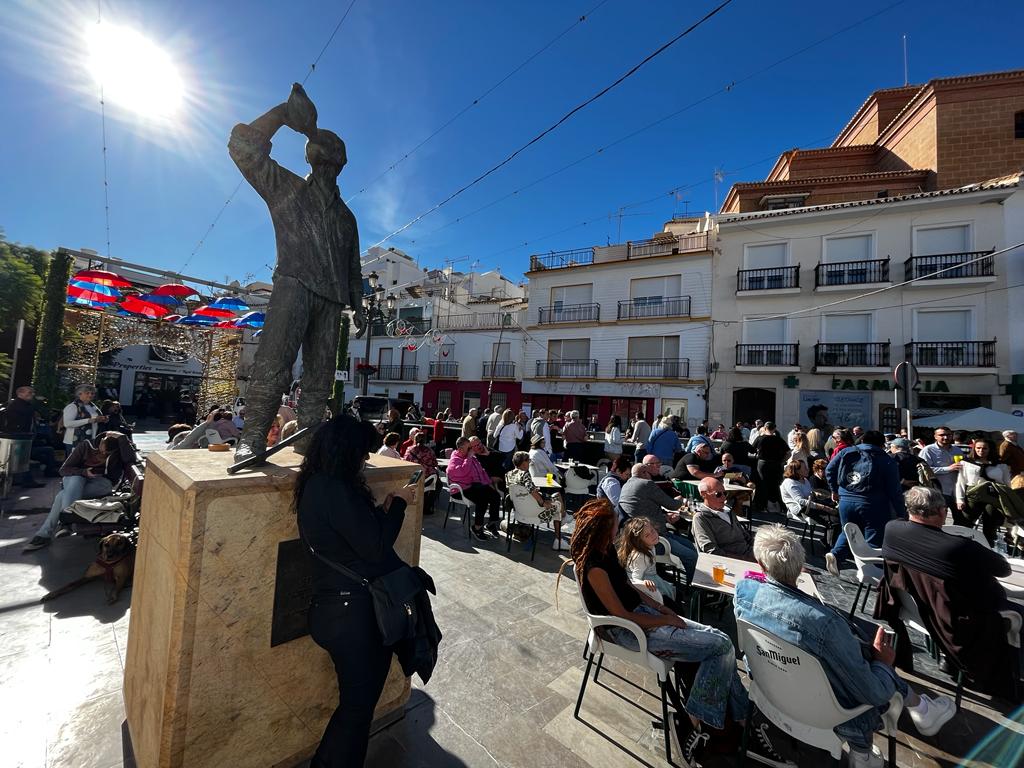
<point>317,272</point>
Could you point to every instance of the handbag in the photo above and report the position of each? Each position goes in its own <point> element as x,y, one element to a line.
<point>394,596</point>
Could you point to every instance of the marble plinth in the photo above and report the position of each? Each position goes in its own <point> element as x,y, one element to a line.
<point>203,687</point>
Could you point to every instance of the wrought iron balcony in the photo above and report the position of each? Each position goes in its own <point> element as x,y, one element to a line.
<point>502,369</point>
<point>654,306</point>
<point>653,368</point>
<point>570,313</point>
<point>851,273</point>
<point>444,369</point>
<point>868,354</point>
<point>768,355</point>
<point>952,354</point>
<point>950,266</point>
<point>768,278</point>
<point>396,373</point>
<point>566,369</point>
<point>562,259</point>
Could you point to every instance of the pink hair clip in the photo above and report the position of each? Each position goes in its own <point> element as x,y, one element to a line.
<point>755,575</point>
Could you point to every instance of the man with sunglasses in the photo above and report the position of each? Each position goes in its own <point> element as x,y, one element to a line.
<point>715,528</point>
<point>941,456</point>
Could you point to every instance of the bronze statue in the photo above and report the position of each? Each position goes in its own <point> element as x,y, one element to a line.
<point>317,272</point>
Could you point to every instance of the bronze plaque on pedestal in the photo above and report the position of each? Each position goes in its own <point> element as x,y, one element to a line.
<point>293,590</point>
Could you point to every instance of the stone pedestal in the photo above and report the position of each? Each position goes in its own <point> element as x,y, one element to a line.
<point>204,686</point>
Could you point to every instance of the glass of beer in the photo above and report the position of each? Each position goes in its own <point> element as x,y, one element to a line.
<point>718,573</point>
<point>550,478</point>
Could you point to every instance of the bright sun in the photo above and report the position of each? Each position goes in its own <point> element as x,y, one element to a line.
<point>134,72</point>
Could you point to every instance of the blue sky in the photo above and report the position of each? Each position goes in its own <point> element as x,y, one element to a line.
<point>398,69</point>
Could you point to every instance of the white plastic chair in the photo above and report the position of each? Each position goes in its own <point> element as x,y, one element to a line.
<point>457,498</point>
<point>599,647</point>
<point>789,686</point>
<point>525,511</point>
<point>967,533</point>
<point>576,484</point>
<point>869,564</point>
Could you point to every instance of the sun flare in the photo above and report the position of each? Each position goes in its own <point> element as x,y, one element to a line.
<point>134,72</point>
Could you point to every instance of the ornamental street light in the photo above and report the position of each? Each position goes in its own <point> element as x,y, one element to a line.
<point>375,312</point>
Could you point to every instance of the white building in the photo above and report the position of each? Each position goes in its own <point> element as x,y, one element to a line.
<point>622,328</point>
<point>809,306</point>
<point>453,338</point>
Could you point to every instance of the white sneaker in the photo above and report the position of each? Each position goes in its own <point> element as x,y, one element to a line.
<point>832,564</point>
<point>557,544</point>
<point>939,712</point>
<point>872,759</point>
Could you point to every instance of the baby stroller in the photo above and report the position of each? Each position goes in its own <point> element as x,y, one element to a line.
<point>116,513</point>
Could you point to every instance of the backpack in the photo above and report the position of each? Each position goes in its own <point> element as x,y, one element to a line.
<point>926,477</point>
<point>492,438</point>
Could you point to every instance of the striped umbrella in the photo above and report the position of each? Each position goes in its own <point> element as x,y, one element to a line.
<point>137,306</point>
<point>157,298</point>
<point>171,318</point>
<point>209,310</point>
<point>96,287</point>
<point>230,302</point>
<point>79,302</point>
<point>196,320</point>
<point>251,320</point>
<point>103,277</point>
<point>90,295</point>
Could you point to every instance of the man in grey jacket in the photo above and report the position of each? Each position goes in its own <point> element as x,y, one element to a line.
<point>715,527</point>
<point>641,497</point>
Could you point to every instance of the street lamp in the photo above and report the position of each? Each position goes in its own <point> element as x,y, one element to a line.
<point>374,313</point>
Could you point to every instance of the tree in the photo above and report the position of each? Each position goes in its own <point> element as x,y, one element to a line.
<point>21,289</point>
<point>49,336</point>
<point>341,365</point>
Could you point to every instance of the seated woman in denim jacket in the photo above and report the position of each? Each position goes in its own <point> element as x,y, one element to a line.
<point>777,606</point>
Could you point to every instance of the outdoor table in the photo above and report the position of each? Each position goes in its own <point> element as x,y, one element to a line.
<point>563,465</point>
<point>542,483</point>
<point>1014,583</point>
<point>704,581</point>
<point>730,487</point>
<point>443,463</point>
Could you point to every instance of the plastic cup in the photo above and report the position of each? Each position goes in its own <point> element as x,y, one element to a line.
<point>550,478</point>
<point>957,459</point>
<point>718,573</point>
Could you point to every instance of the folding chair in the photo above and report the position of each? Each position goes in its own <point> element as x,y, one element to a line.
<point>869,564</point>
<point>789,686</point>
<point>599,647</point>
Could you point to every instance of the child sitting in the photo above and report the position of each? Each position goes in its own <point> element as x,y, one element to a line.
<point>637,541</point>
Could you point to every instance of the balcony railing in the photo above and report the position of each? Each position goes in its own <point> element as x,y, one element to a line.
<point>480,320</point>
<point>768,278</point>
<point>562,259</point>
<point>396,373</point>
<point>653,368</point>
<point>952,354</point>
<point>658,246</point>
<point>654,306</point>
<point>851,273</point>
<point>414,326</point>
<point>950,266</point>
<point>444,369</point>
<point>868,354</point>
<point>775,355</point>
<point>566,369</point>
<point>502,369</point>
<point>570,313</point>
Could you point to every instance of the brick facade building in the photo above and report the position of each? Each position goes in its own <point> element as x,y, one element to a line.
<point>945,134</point>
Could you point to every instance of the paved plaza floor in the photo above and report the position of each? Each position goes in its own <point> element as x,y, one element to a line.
<point>503,692</point>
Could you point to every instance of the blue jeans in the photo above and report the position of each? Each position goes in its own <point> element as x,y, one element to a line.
<point>860,731</point>
<point>716,686</point>
<point>870,516</point>
<point>685,550</point>
<point>75,488</point>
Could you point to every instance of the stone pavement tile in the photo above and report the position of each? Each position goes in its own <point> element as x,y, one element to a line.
<point>88,735</point>
<point>600,745</point>
<point>24,630</point>
<point>467,701</point>
<point>83,673</point>
<point>522,743</point>
<point>428,737</point>
<point>24,703</point>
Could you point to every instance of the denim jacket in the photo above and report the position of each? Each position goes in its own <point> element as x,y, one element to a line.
<point>823,632</point>
<point>866,473</point>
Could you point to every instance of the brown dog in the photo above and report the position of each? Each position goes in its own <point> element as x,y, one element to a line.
<point>115,565</point>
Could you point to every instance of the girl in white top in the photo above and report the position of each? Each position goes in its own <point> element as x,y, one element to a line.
<point>636,553</point>
<point>509,432</point>
<point>613,438</point>
<point>977,467</point>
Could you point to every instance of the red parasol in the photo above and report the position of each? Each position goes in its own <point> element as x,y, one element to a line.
<point>103,277</point>
<point>84,293</point>
<point>227,324</point>
<point>173,289</point>
<point>208,311</point>
<point>147,308</point>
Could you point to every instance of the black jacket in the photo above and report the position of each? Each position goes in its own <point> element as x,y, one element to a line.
<point>419,653</point>
<point>18,417</point>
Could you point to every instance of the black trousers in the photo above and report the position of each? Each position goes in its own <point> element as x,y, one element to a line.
<point>346,627</point>
<point>769,487</point>
<point>959,518</point>
<point>483,497</point>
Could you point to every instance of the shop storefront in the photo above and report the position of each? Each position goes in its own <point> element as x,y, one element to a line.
<point>148,380</point>
<point>598,401</point>
<point>460,396</point>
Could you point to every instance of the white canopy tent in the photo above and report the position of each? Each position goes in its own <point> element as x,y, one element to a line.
<point>977,419</point>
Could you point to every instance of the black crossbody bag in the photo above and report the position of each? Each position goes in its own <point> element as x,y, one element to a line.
<point>394,596</point>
